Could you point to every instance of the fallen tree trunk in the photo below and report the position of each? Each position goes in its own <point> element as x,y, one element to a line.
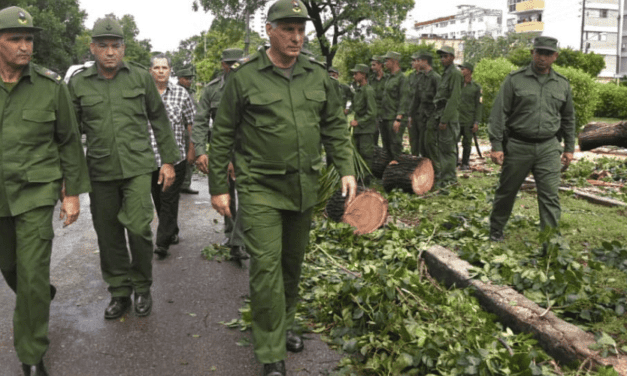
<point>380,160</point>
<point>411,174</point>
<point>366,213</point>
<point>596,134</point>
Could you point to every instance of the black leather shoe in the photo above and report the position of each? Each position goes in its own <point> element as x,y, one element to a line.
<point>161,253</point>
<point>237,253</point>
<point>293,343</point>
<point>40,369</point>
<point>274,369</point>
<point>53,291</point>
<point>117,307</point>
<point>189,191</point>
<point>496,236</point>
<point>175,239</point>
<point>26,369</point>
<point>143,304</point>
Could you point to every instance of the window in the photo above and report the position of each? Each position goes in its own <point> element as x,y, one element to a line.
<point>603,13</point>
<point>480,19</point>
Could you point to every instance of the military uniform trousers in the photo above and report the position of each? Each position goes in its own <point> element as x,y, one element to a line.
<point>443,152</point>
<point>543,160</point>
<point>364,145</point>
<point>167,204</point>
<point>117,206</point>
<point>392,141</point>
<point>189,168</point>
<point>276,241</point>
<point>466,136</point>
<point>232,225</point>
<point>25,249</point>
<point>414,135</point>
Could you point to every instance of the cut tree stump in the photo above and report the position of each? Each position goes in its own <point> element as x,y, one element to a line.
<point>411,174</point>
<point>366,213</point>
<point>598,134</point>
<point>380,160</point>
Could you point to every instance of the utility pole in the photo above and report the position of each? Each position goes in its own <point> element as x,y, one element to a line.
<point>583,22</point>
<point>247,38</point>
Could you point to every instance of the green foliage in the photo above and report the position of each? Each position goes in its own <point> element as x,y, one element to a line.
<point>490,73</point>
<point>612,101</point>
<point>519,56</point>
<point>585,93</point>
<point>590,63</point>
<point>216,252</point>
<point>487,47</point>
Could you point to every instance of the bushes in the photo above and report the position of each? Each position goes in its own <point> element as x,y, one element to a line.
<point>585,93</point>
<point>612,101</point>
<point>490,73</point>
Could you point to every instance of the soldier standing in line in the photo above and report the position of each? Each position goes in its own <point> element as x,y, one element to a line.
<point>115,104</point>
<point>185,77</point>
<point>534,110</point>
<point>346,91</point>
<point>377,82</point>
<point>279,107</point>
<point>470,112</point>
<point>365,122</point>
<point>412,123</point>
<point>207,108</point>
<point>394,106</point>
<point>41,161</point>
<point>445,120</point>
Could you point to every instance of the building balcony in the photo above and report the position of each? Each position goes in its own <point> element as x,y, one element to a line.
<point>529,27</point>
<point>530,5</point>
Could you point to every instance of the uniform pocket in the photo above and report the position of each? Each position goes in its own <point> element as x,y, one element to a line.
<point>46,232</point>
<point>43,175</point>
<point>98,153</point>
<point>39,116</point>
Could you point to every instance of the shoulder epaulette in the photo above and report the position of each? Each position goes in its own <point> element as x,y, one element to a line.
<point>243,61</point>
<point>215,80</point>
<point>561,75</point>
<point>313,60</point>
<point>54,76</point>
<point>517,71</point>
<point>137,65</point>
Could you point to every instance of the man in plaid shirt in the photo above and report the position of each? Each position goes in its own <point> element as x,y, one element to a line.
<point>180,109</point>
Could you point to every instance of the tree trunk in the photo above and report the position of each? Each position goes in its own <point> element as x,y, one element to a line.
<point>335,206</point>
<point>366,213</point>
<point>596,134</point>
<point>380,160</point>
<point>411,174</point>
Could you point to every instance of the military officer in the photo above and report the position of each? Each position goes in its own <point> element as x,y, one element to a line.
<point>445,120</point>
<point>185,77</point>
<point>412,123</point>
<point>278,108</point>
<point>377,81</point>
<point>365,121</point>
<point>115,103</point>
<point>40,153</point>
<point>208,106</point>
<point>394,105</point>
<point>534,110</point>
<point>422,105</point>
<point>470,112</point>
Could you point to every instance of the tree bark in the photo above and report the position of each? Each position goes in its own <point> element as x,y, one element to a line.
<point>596,134</point>
<point>411,174</point>
<point>366,213</point>
<point>380,160</point>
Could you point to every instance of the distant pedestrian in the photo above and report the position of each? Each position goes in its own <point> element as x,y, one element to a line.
<point>394,105</point>
<point>533,112</point>
<point>470,112</point>
<point>42,161</point>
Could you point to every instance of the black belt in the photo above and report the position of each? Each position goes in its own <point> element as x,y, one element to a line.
<point>529,140</point>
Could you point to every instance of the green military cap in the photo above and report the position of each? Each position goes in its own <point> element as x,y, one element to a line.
<point>16,18</point>
<point>446,50</point>
<point>392,55</point>
<point>424,55</point>
<point>468,66</point>
<point>333,69</point>
<point>107,27</point>
<point>185,72</point>
<point>545,43</point>
<point>284,9</point>
<point>363,68</point>
<point>232,54</point>
<point>377,58</point>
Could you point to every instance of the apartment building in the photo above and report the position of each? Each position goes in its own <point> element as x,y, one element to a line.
<point>258,21</point>
<point>470,21</point>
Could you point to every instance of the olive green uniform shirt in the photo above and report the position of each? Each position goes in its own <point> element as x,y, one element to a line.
<point>281,124</point>
<point>470,103</point>
<point>426,88</point>
<point>207,108</point>
<point>40,143</point>
<point>532,109</point>
<point>115,115</point>
<point>413,79</point>
<point>395,96</point>
<point>446,98</point>
<point>365,107</point>
<point>377,86</point>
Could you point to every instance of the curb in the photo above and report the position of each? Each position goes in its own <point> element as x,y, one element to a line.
<point>563,341</point>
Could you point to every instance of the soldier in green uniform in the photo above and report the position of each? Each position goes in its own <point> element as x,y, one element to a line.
<point>377,82</point>
<point>445,120</point>
<point>412,123</point>
<point>279,107</point>
<point>470,112</point>
<point>41,154</point>
<point>422,105</point>
<point>346,91</point>
<point>207,109</point>
<point>365,122</point>
<point>185,77</point>
<point>115,104</point>
<point>394,105</point>
<point>534,110</point>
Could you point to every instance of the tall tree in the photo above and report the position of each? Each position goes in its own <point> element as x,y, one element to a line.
<point>332,20</point>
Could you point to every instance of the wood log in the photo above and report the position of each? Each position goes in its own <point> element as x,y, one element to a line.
<point>367,212</point>
<point>335,206</point>
<point>411,174</point>
<point>598,134</point>
<point>380,161</point>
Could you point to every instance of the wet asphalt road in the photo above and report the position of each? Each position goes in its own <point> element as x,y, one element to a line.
<point>182,336</point>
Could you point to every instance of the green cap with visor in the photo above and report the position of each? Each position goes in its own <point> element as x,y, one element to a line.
<point>363,68</point>
<point>16,18</point>
<point>545,43</point>
<point>107,28</point>
<point>287,9</point>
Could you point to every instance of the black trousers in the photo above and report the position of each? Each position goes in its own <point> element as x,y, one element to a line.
<point>167,205</point>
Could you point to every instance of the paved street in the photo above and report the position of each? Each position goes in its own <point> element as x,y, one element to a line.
<point>182,336</point>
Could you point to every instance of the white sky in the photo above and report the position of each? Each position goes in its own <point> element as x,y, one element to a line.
<point>166,23</point>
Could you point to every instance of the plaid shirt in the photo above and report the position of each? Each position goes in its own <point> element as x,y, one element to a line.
<point>180,109</point>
